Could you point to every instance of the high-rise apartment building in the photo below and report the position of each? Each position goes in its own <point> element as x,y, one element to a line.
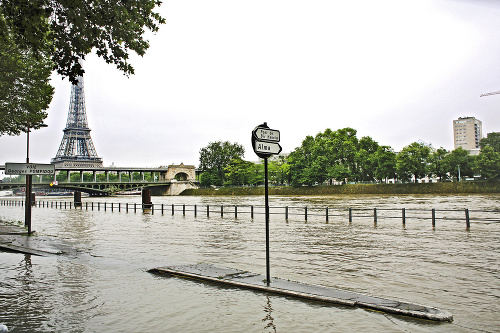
<point>468,131</point>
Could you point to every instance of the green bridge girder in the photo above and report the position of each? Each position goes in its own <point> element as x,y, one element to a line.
<point>94,188</point>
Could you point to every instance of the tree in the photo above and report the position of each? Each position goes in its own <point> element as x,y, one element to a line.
<point>493,140</point>
<point>240,172</point>
<point>71,29</point>
<point>366,160</point>
<point>300,159</point>
<point>215,157</point>
<point>279,169</point>
<point>386,163</point>
<point>459,163</point>
<point>437,165</point>
<point>488,163</point>
<point>333,155</point>
<point>24,89</point>
<point>412,161</point>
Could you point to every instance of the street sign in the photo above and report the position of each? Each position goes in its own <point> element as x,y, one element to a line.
<point>265,141</point>
<point>266,147</point>
<point>266,134</point>
<point>29,169</point>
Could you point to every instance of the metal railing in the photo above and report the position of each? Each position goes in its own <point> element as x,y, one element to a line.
<point>288,212</point>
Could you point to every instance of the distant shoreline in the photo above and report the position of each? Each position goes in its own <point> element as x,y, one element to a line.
<point>409,188</point>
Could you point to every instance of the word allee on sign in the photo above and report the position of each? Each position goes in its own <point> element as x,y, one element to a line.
<point>29,169</point>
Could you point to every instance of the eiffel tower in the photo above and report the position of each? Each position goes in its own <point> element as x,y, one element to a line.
<point>77,148</point>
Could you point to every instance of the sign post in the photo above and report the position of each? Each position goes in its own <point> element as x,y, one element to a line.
<point>265,144</point>
<point>29,169</point>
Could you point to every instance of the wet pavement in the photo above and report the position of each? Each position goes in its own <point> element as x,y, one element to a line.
<point>16,239</point>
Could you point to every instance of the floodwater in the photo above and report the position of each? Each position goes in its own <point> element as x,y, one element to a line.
<point>103,285</point>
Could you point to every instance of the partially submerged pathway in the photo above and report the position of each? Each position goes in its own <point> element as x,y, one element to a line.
<point>248,280</point>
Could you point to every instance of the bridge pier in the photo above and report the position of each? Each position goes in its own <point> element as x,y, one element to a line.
<point>77,198</point>
<point>146,198</point>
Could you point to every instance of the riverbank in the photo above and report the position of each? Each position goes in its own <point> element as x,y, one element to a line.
<point>409,188</point>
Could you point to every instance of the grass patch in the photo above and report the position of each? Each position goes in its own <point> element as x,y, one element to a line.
<point>409,188</point>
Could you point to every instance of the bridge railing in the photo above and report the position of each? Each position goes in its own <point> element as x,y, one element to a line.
<point>305,213</point>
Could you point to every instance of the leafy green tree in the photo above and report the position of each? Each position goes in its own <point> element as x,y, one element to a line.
<point>386,163</point>
<point>70,29</point>
<point>240,172</point>
<point>25,92</point>
<point>61,176</point>
<point>344,146</point>
<point>493,140</point>
<point>488,163</point>
<point>333,155</point>
<point>279,169</point>
<point>215,157</point>
<point>437,165</point>
<point>208,178</point>
<point>412,161</point>
<point>340,172</point>
<point>459,162</point>
<point>300,159</point>
<point>366,159</point>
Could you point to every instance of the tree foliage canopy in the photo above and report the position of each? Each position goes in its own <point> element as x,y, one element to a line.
<point>24,89</point>
<point>493,140</point>
<point>215,158</point>
<point>70,29</point>
<point>339,155</point>
<point>412,161</point>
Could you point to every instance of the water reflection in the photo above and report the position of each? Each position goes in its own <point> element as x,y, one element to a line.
<point>22,294</point>
<point>268,319</point>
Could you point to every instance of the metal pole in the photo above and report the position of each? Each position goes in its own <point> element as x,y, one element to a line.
<point>266,194</point>
<point>27,215</point>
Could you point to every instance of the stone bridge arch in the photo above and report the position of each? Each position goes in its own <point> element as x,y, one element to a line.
<point>180,172</point>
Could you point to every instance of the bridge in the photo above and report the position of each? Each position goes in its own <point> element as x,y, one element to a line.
<point>167,180</point>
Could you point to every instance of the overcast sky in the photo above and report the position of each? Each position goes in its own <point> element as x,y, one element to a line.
<point>395,70</point>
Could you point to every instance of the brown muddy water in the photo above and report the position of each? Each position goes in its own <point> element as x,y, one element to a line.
<point>103,284</point>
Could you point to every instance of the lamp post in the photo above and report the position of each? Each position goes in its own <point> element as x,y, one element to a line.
<point>27,215</point>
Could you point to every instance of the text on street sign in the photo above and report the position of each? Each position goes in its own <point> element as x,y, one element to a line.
<point>266,134</point>
<point>267,147</point>
<point>29,169</point>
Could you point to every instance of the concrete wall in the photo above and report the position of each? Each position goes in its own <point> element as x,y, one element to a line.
<point>176,188</point>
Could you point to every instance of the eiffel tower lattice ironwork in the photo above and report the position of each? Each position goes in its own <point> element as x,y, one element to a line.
<point>77,148</point>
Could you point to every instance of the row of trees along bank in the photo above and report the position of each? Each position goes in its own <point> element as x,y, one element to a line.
<point>340,157</point>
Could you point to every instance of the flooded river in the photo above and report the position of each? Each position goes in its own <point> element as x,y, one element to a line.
<point>102,284</point>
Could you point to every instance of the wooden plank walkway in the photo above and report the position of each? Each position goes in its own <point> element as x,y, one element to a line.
<point>244,279</point>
